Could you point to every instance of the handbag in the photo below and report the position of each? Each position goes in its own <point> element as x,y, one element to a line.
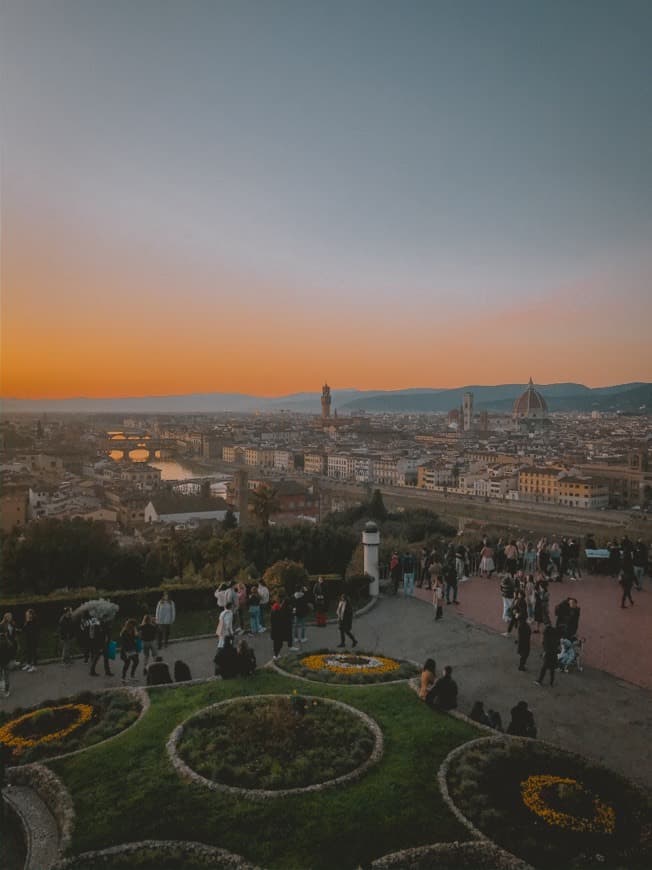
<point>111,649</point>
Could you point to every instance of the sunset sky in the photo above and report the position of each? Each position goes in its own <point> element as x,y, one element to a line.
<point>254,197</point>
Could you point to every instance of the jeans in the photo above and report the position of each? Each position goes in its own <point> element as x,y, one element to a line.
<point>408,584</point>
<point>66,644</point>
<point>549,664</point>
<point>451,587</point>
<point>163,634</point>
<point>254,618</point>
<point>4,675</point>
<point>129,659</point>
<point>149,649</point>
<point>299,627</point>
<point>639,571</point>
<point>507,606</point>
<point>95,657</point>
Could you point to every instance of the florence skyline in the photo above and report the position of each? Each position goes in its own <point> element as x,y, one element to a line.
<point>249,197</point>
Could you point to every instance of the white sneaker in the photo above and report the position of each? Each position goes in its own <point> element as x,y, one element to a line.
<point>276,658</point>
<point>261,630</point>
<point>31,669</point>
<point>24,667</point>
<point>7,693</point>
<point>294,648</point>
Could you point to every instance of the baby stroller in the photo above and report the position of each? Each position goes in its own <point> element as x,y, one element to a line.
<point>570,657</point>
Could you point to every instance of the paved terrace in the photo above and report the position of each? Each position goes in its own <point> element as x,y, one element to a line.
<point>596,712</point>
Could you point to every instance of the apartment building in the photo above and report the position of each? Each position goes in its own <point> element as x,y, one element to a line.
<point>582,492</point>
<point>538,484</point>
<point>434,474</point>
<point>314,463</point>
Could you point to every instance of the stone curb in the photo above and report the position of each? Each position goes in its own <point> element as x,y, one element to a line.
<point>479,854</point>
<point>53,793</point>
<point>220,857</point>
<point>264,794</point>
<point>23,817</point>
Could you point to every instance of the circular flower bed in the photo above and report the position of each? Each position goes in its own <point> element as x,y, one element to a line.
<point>355,667</point>
<point>58,727</point>
<point>272,744</point>
<point>550,807</point>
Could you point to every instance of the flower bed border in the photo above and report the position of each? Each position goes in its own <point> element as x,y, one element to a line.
<point>260,794</point>
<point>54,794</point>
<point>227,859</point>
<point>272,665</point>
<point>470,853</point>
<point>137,692</point>
<point>502,739</point>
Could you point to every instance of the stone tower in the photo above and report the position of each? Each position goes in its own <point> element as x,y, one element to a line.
<point>467,410</point>
<point>325,402</point>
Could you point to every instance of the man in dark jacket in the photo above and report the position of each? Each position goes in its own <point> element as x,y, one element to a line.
<point>443,695</point>
<point>66,634</point>
<point>550,652</point>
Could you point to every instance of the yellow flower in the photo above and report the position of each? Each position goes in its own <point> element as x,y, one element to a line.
<point>10,738</point>
<point>604,816</point>
<point>341,663</point>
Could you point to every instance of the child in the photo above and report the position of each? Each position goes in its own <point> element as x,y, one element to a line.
<point>438,597</point>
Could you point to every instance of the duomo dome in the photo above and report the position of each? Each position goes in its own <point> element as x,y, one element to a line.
<point>531,405</point>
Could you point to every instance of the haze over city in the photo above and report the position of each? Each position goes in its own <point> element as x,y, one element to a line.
<point>252,197</point>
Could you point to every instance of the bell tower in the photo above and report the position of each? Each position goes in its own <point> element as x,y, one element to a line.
<point>325,402</point>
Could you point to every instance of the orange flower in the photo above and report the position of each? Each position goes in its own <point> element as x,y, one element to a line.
<point>10,738</point>
<point>340,663</point>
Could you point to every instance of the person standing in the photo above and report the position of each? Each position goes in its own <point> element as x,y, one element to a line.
<point>224,631</point>
<point>450,578</point>
<point>511,558</point>
<point>487,565</point>
<point>530,596</point>
<point>166,614</point>
<point>129,649</point>
<point>148,635</point>
<point>438,597</point>
<point>263,595</point>
<point>395,571</point>
<point>321,603</point>
<point>300,612</point>
<point>345,620</point>
<point>253,599</point>
<point>639,560</point>
<point>30,638</point>
<point>408,563</point>
<point>523,642</point>
<point>550,653</point>
<point>507,593</point>
<point>66,635</point>
<point>281,625</point>
<point>99,636</point>
<point>627,581</point>
<point>6,656</point>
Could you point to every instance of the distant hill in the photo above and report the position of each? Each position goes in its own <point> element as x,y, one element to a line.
<point>560,397</point>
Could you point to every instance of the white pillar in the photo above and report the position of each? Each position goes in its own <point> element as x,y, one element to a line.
<point>371,546</point>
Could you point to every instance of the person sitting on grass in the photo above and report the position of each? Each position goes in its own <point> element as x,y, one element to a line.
<point>158,672</point>
<point>443,695</point>
<point>428,678</point>
<point>246,660</point>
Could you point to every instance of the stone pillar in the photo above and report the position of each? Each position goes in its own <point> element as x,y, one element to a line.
<point>371,546</point>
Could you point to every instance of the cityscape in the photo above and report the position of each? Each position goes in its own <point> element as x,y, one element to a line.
<point>325,435</point>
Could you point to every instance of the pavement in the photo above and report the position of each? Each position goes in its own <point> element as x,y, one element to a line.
<point>595,713</point>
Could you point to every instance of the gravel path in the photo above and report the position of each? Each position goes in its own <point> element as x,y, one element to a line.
<point>43,834</point>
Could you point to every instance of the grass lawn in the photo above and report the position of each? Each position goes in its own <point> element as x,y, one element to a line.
<point>129,791</point>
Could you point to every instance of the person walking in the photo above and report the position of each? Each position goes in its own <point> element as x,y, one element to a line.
<point>66,635</point>
<point>639,560</point>
<point>550,653</point>
<point>627,581</point>
<point>129,649</point>
<point>345,620</point>
<point>99,637</point>
<point>523,642</point>
<point>166,614</point>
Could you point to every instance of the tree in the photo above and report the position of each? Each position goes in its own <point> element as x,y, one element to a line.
<point>377,509</point>
<point>265,504</point>
<point>285,576</point>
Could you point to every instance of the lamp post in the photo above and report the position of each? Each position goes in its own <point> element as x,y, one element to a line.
<point>371,548</point>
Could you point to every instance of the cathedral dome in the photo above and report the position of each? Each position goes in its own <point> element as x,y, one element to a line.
<point>530,404</point>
